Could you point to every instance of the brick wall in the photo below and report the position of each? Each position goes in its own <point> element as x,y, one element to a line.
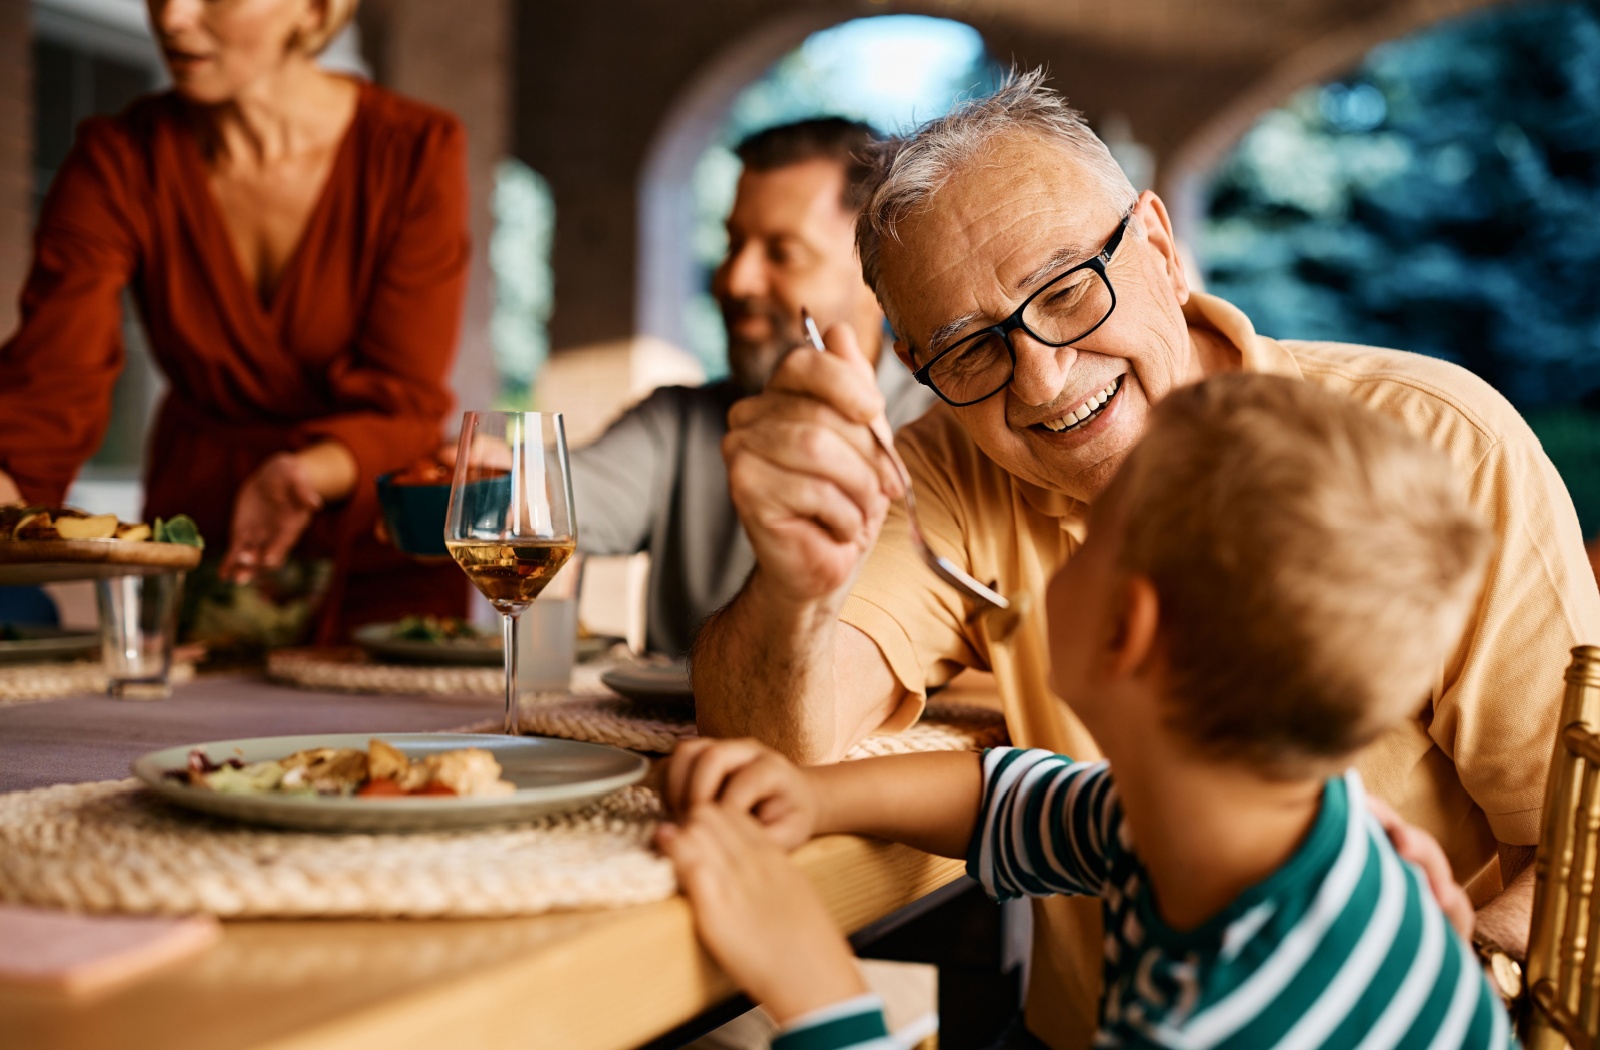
<point>456,56</point>
<point>16,155</point>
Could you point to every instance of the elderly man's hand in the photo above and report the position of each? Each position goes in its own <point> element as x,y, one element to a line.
<point>1422,849</point>
<point>809,483</point>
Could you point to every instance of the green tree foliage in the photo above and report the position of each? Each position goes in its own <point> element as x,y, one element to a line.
<point>1444,198</point>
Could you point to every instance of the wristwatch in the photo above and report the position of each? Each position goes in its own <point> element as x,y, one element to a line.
<point>1504,972</point>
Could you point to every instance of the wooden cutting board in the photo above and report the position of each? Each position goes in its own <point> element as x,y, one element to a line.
<point>24,562</point>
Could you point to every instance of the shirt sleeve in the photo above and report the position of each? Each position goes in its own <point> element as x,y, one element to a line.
<point>392,388</point>
<point>1047,827</point>
<point>62,363</point>
<point>854,1024</point>
<point>917,621</point>
<point>614,479</point>
<point>1498,702</point>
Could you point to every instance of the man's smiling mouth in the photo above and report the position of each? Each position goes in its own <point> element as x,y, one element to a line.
<point>1091,407</point>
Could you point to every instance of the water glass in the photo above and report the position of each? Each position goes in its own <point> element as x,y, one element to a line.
<point>138,622</point>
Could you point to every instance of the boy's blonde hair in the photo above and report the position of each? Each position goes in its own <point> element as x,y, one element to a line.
<point>1314,562</point>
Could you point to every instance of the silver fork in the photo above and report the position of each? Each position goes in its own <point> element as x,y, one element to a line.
<point>1003,613</point>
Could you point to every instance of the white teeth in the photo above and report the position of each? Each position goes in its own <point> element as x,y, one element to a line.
<point>1083,411</point>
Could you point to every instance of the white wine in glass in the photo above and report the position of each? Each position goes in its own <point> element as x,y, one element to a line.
<point>511,526</point>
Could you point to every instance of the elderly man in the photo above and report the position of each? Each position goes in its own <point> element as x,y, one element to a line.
<point>1043,299</point>
<point>655,480</point>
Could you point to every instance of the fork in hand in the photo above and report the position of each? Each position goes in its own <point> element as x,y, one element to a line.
<point>1001,613</point>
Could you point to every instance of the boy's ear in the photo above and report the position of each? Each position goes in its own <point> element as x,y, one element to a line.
<point>1133,640</point>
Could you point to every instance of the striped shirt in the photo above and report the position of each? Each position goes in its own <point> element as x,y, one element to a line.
<point>1343,946</point>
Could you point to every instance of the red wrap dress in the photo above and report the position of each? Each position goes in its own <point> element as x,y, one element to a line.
<point>354,344</point>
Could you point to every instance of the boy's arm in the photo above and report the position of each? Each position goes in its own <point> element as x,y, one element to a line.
<point>927,800</point>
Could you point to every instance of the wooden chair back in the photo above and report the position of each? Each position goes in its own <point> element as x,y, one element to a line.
<point>1563,970</point>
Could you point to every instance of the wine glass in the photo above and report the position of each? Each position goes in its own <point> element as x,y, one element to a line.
<point>510,526</point>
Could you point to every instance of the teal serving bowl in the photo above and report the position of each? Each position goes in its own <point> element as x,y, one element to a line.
<point>414,515</point>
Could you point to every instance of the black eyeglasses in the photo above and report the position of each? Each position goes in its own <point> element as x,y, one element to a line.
<point>1075,303</point>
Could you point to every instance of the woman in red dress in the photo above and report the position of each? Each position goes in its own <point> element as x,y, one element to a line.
<point>296,244</point>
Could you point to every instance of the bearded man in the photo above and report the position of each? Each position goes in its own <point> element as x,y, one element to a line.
<point>655,480</point>
<point>1043,299</point>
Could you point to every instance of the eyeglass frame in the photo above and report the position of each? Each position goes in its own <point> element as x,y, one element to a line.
<point>1003,329</point>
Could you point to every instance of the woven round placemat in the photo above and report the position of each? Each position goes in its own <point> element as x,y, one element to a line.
<point>349,670</point>
<point>111,847</point>
<point>28,683</point>
<point>659,728</point>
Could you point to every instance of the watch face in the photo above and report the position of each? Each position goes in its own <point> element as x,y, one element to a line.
<point>1506,974</point>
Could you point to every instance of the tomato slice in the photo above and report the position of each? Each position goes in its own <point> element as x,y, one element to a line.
<point>434,789</point>
<point>380,787</point>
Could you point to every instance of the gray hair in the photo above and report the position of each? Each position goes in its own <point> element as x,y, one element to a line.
<point>914,168</point>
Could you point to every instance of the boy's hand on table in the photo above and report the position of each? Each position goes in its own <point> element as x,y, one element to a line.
<point>758,915</point>
<point>1422,849</point>
<point>746,777</point>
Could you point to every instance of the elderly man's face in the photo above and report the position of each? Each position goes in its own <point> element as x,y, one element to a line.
<point>791,243</point>
<point>968,252</point>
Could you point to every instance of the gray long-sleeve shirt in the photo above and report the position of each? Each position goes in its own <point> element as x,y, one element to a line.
<point>655,481</point>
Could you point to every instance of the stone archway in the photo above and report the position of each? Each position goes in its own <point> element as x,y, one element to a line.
<point>667,277</point>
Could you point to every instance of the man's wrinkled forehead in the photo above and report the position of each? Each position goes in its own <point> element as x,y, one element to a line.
<point>999,226</point>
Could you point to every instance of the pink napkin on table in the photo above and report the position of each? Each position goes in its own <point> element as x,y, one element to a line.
<point>62,950</point>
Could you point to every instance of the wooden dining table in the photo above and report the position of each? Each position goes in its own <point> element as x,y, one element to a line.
<point>591,980</point>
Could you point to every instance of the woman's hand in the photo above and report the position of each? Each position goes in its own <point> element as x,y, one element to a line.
<point>758,915</point>
<point>746,777</point>
<point>9,493</point>
<point>277,502</point>
<point>271,511</point>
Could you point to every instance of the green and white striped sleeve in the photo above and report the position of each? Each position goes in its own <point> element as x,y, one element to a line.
<point>1047,825</point>
<point>854,1024</point>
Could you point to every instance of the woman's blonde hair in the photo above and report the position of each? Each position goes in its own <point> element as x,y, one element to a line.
<point>338,15</point>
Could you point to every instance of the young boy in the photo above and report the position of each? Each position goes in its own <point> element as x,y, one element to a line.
<point>1272,579</point>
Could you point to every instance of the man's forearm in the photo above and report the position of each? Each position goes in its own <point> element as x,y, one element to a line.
<point>929,800</point>
<point>764,669</point>
<point>1505,920</point>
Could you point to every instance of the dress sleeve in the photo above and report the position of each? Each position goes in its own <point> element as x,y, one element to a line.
<point>614,479</point>
<point>62,363</point>
<point>1048,825</point>
<point>395,380</point>
<point>854,1024</point>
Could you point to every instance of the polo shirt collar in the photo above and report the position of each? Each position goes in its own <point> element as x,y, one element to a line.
<point>1257,353</point>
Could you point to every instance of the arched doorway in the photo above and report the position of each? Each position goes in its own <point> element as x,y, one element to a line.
<point>889,70</point>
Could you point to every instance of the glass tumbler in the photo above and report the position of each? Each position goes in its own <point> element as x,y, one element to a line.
<point>138,622</point>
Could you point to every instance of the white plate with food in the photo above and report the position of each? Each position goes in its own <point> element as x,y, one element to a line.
<point>662,683</point>
<point>388,781</point>
<point>436,640</point>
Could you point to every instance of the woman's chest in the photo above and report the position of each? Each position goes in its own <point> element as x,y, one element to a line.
<point>267,212</point>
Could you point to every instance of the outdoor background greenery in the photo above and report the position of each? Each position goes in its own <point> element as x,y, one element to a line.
<point>1444,197</point>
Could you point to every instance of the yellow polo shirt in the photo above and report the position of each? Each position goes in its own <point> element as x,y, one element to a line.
<point>1470,768</point>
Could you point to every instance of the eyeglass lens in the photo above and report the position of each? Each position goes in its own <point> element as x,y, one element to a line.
<point>1064,311</point>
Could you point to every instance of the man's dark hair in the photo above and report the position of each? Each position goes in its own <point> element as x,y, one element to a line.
<point>848,142</point>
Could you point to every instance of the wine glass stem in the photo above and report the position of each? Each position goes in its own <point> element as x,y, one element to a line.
<point>512,729</point>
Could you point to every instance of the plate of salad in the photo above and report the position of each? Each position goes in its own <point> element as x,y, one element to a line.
<point>388,781</point>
